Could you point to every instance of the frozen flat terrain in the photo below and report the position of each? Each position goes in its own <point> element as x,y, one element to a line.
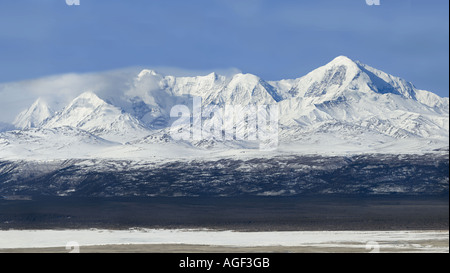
<point>391,241</point>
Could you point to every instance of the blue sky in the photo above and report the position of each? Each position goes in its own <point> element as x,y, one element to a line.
<point>273,39</point>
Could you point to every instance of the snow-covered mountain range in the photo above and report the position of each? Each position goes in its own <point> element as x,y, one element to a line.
<point>342,107</point>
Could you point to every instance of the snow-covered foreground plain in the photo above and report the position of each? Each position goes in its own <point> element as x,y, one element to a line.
<point>415,241</point>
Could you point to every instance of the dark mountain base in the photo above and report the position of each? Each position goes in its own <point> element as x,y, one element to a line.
<point>279,176</point>
<point>365,192</point>
<point>330,212</point>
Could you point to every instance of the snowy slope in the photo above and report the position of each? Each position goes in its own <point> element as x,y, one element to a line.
<point>90,113</point>
<point>345,92</point>
<point>240,89</point>
<point>34,116</point>
<point>342,107</point>
<point>46,144</point>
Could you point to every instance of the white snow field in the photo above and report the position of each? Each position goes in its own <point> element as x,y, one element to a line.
<point>415,241</point>
<point>343,107</point>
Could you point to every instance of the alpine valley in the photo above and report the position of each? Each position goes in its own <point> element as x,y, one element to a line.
<point>343,128</point>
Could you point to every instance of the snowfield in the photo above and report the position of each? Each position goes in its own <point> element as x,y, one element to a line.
<point>344,107</point>
<point>392,240</point>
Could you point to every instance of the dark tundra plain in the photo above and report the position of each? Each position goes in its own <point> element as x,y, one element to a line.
<point>296,213</point>
<point>364,192</point>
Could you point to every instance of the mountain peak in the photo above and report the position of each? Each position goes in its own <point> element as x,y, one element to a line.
<point>247,77</point>
<point>213,76</point>
<point>147,72</point>
<point>40,102</point>
<point>92,114</point>
<point>89,99</point>
<point>88,95</point>
<point>344,100</point>
<point>344,61</point>
<point>33,116</point>
<point>327,81</point>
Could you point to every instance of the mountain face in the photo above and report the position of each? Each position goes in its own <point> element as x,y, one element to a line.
<point>344,106</point>
<point>34,116</point>
<point>346,94</point>
<point>90,113</point>
<point>240,89</point>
